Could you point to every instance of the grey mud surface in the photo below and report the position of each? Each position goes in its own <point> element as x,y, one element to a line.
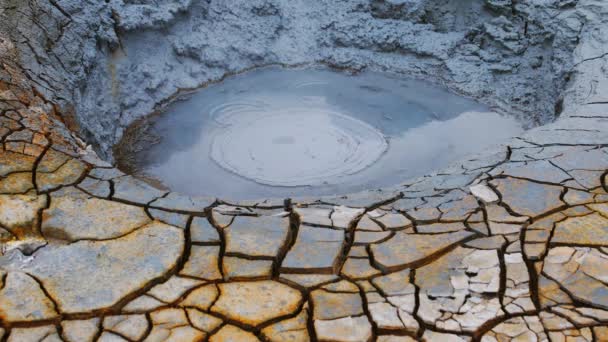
<point>275,132</point>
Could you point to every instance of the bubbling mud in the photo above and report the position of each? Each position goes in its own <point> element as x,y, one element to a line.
<point>276,132</point>
<point>295,146</point>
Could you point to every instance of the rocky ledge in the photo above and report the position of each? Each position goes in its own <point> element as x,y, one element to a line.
<point>509,245</point>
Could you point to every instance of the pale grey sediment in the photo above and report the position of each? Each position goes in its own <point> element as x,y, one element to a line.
<point>109,63</point>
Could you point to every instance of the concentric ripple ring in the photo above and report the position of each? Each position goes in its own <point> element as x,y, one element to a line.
<point>295,146</point>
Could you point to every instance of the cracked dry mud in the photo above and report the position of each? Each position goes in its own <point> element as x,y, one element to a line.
<point>508,245</point>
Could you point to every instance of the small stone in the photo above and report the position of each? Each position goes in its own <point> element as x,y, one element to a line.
<point>484,193</point>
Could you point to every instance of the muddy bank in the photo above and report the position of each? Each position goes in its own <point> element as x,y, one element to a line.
<point>110,63</point>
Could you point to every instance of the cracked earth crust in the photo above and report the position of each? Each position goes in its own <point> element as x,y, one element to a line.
<point>508,245</point>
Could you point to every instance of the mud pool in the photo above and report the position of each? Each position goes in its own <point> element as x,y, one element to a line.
<point>277,132</point>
